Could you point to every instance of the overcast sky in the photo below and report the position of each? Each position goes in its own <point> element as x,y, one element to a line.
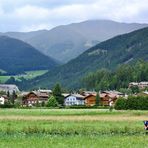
<point>28,15</point>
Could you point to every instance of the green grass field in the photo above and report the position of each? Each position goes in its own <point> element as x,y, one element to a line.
<point>27,75</point>
<point>84,128</point>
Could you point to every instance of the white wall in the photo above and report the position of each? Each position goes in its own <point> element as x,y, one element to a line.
<point>72,100</point>
<point>2,100</point>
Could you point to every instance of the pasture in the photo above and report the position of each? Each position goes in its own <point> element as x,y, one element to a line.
<point>72,128</point>
<point>27,75</point>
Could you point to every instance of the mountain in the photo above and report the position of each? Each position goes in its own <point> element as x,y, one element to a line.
<point>68,41</point>
<point>123,49</point>
<point>17,56</point>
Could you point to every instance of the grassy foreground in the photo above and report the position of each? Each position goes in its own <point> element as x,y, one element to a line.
<point>74,141</point>
<point>72,128</point>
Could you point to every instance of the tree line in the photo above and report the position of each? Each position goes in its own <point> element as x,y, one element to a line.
<point>116,80</point>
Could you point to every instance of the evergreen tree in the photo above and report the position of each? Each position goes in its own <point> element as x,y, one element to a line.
<point>120,78</point>
<point>13,97</point>
<point>98,100</point>
<point>57,90</point>
<point>52,102</point>
<point>135,89</point>
<point>57,93</point>
<point>8,94</point>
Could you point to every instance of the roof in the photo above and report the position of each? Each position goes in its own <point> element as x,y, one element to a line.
<point>133,83</point>
<point>65,94</point>
<point>39,94</point>
<point>8,87</point>
<point>113,92</point>
<point>77,96</point>
<point>24,93</point>
<point>45,90</point>
<point>138,83</point>
<point>143,83</point>
<point>90,96</point>
<point>86,93</point>
<point>102,95</point>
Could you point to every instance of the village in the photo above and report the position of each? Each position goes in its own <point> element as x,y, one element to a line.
<point>11,96</point>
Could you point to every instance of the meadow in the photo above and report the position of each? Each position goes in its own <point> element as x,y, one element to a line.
<point>27,75</point>
<point>90,128</point>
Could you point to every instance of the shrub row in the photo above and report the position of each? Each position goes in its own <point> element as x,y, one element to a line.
<point>132,103</point>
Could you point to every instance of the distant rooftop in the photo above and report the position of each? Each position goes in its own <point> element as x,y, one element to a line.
<point>9,87</point>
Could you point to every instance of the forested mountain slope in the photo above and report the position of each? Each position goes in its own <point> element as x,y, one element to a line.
<point>123,49</point>
<point>17,56</point>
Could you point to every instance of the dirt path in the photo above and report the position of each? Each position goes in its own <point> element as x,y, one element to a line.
<point>77,118</point>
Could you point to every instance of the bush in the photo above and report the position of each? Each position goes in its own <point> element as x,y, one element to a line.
<point>6,105</point>
<point>120,104</point>
<point>137,102</point>
<point>17,104</point>
<point>52,102</point>
<point>132,103</point>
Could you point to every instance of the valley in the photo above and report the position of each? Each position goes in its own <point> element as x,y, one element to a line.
<point>73,74</point>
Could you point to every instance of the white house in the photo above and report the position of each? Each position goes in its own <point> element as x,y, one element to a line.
<point>2,100</point>
<point>74,99</point>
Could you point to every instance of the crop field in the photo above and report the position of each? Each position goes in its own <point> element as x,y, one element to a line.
<point>84,128</point>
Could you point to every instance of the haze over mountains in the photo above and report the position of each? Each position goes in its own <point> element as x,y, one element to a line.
<point>17,57</point>
<point>66,42</point>
<point>123,49</point>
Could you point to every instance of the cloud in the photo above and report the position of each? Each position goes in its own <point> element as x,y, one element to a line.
<point>24,15</point>
<point>33,12</point>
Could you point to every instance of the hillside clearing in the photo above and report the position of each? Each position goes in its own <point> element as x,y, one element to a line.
<point>28,75</point>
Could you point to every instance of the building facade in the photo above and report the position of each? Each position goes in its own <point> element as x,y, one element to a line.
<point>74,99</point>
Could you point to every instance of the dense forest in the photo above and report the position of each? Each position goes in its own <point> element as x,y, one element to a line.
<point>105,79</point>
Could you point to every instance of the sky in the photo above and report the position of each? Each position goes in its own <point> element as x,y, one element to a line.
<point>31,15</point>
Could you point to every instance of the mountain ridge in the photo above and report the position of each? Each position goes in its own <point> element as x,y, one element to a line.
<point>66,42</point>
